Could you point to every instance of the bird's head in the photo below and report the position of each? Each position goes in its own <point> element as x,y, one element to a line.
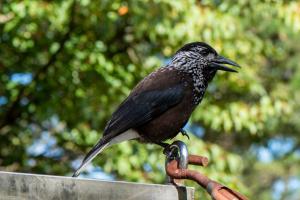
<point>199,57</point>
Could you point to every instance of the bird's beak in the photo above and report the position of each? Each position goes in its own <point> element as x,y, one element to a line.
<point>218,62</point>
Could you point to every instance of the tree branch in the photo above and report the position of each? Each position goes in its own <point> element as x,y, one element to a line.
<point>13,113</point>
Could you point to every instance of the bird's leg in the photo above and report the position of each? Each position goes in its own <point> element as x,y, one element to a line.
<point>166,147</point>
<point>162,144</point>
<point>184,133</point>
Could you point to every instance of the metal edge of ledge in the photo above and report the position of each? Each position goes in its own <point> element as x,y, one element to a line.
<point>21,186</point>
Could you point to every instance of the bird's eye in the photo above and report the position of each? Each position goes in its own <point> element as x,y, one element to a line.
<point>205,52</point>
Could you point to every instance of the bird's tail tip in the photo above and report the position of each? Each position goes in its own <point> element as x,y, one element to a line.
<point>90,156</point>
<point>75,174</point>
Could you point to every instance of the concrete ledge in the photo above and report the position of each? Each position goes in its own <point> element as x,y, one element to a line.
<point>35,187</point>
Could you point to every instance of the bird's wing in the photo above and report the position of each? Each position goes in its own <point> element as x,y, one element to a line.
<point>141,108</point>
<point>135,111</point>
<point>154,95</point>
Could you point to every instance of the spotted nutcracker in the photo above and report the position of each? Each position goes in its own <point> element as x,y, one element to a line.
<point>160,105</point>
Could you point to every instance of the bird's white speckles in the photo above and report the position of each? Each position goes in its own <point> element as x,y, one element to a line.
<point>192,63</point>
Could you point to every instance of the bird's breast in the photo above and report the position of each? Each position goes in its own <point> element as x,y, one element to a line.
<point>168,124</point>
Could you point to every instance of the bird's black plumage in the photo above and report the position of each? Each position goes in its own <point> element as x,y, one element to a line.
<point>141,108</point>
<point>161,104</point>
<point>189,46</point>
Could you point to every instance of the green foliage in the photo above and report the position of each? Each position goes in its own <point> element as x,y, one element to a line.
<point>85,56</point>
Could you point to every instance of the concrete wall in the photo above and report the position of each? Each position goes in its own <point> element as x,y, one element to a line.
<point>18,186</point>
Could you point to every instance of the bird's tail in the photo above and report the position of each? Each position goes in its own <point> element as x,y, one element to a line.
<point>103,144</point>
<point>98,148</point>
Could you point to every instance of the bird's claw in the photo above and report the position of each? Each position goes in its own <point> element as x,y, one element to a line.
<point>170,153</point>
<point>184,133</point>
<point>167,151</point>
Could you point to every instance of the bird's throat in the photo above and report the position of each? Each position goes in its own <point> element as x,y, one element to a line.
<point>199,87</point>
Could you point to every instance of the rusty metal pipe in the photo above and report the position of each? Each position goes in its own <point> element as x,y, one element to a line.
<point>176,173</point>
<point>198,160</point>
<point>215,189</point>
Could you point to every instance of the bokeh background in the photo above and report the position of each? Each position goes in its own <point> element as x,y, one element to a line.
<point>66,65</point>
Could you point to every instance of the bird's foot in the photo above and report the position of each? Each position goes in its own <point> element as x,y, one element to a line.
<point>184,133</point>
<point>167,151</point>
<point>170,152</point>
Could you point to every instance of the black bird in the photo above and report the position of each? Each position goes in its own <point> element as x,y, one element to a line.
<point>160,105</point>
